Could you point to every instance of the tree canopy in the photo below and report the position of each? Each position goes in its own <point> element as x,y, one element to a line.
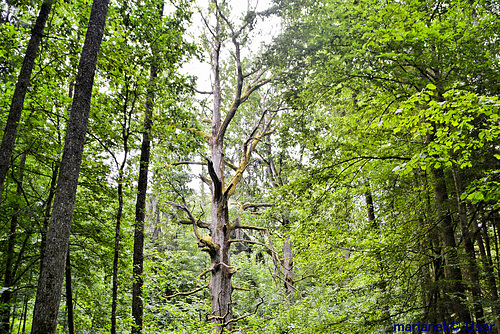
<point>340,177</point>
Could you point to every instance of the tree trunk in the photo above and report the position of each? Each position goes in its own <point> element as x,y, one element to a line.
<point>48,297</point>
<point>453,287</point>
<point>140,206</point>
<point>69,296</point>
<point>23,80</point>
<point>488,269</point>
<point>46,218</point>
<point>472,269</point>
<point>9,274</point>
<point>288,265</point>
<point>116,254</point>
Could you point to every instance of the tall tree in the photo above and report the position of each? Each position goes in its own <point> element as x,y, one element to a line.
<point>218,244</point>
<point>45,314</point>
<point>23,81</point>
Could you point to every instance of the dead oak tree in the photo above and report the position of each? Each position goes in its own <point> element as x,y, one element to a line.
<point>218,243</point>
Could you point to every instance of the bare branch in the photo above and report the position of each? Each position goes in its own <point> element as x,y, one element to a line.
<point>230,165</point>
<point>246,315</point>
<point>187,293</point>
<point>189,163</point>
<point>204,272</point>
<point>202,92</point>
<point>196,222</point>
<point>247,205</point>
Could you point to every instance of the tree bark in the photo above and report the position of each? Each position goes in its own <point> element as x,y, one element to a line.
<point>472,269</point>
<point>48,297</point>
<point>23,81</point>
<point>288,264</point>
<point>119,214</point>
<point>453,287</point>
<point>116,254</point>
<point>140,207</point>
<point>69,296</point>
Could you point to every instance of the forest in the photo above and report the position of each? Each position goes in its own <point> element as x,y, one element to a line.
<point>325,166</point>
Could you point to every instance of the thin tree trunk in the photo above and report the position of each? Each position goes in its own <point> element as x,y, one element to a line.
<point>288,264</point>
<point>488,269</point>
<point>140,207</point>
<point>23,81</point>
<point>116,254</point>
<point>48,297</point>
<point>119,214</point>
<point>9,274</point>
<point>469,249</point>
<point>69,296</point>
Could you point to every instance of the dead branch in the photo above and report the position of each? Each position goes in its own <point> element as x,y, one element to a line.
<point>202,92</point>
<point>246,315</point>
<point>198,222</point>
<point>204,272</point>
<point>247,205</point>
<point>228,267</point>
<point>189,163</point>
<point>240,288</point>
<point>187,293</point>
<point>230,165</point>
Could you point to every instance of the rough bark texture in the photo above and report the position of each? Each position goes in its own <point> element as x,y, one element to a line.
<point>140,209</point>
<point>16,106</point>
<point>453,286</point>
<point>48,297</point>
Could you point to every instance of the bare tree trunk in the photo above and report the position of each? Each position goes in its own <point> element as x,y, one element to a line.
<point>9,274</point>
<point>48,297</point>
<point>16,106</point>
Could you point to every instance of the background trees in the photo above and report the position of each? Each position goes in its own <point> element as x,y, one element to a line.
<point>356,190</point>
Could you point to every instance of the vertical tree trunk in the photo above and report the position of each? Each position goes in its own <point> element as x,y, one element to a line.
<point>48,297</point>
<point>69,296</point>
<point>220,281</point>
<point>140,206</point>
<point>46,218</point>
<point>472,269</point>
<point>453,288</point>
<point>488,269</point>
<point>23,80</point>
<point>9,274</point>
<point>288,264</point>
<point>116,253</point>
